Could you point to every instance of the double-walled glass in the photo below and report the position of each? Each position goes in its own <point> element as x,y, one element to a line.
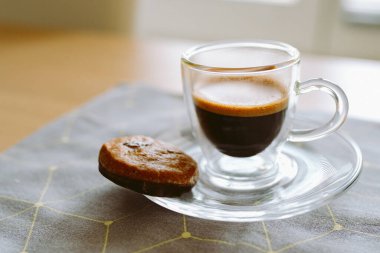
<point>241,98</point>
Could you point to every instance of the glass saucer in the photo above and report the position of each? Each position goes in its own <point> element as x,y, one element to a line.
<point>324,169</point>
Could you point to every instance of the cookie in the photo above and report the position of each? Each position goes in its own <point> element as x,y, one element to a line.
<point>147,166</point>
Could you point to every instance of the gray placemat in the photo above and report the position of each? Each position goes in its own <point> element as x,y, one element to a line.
<point>53,199</point>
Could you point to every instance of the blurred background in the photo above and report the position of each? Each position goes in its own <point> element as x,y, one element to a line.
<point>333,27</point>
<point>57,54</point>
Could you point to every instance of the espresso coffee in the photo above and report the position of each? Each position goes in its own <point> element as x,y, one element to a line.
<point>240,116</point>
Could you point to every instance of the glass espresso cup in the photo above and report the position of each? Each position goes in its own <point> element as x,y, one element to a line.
<point>241,98</point>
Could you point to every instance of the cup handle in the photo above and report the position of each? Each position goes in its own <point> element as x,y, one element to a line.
<point>341,102</point>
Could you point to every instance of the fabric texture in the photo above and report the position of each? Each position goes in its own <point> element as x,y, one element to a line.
<point>53,199</point>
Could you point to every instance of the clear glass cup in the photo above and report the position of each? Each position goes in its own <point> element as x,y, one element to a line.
<point>241,98</point>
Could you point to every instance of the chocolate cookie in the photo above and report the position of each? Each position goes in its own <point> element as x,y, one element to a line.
<point>147,166</point>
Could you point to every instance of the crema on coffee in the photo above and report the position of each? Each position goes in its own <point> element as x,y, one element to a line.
<point>241,116</point>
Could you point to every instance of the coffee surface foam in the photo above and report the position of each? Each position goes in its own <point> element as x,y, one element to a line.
<point>241,96</point>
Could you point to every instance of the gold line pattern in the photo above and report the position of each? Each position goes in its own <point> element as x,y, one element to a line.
<point>184,235</point>
<point>38,205</point>
<point>132,214</point>
<point>48,181</point>
<point>336,226</point>
<point>331,214</point>
<point>73,215</point>
<point>16,214</point>
<point>187,235</point>
<point>31,229</point>
<point>184,223</point>
<point>107,224</point>
<point>158,244</point>
<point>14,199</point>
<point>252,246</point>
<point>212,240</point>
<point>65,138</point>
<point>269,243</point>
<point>289,246</point>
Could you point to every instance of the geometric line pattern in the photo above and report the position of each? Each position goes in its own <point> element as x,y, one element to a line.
<point>185,234</point>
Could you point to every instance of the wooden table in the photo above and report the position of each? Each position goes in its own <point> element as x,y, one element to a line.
<point>44,74</point>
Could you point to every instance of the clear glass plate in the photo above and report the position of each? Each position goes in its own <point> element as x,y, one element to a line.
<point>324,169</point>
